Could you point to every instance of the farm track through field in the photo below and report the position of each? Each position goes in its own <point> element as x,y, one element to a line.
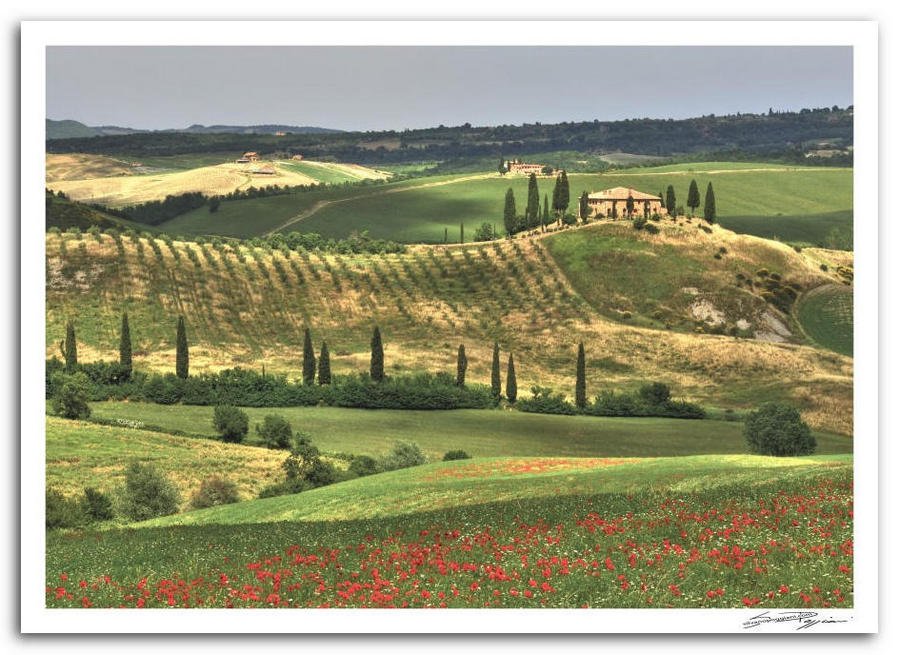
<point>324,203</point>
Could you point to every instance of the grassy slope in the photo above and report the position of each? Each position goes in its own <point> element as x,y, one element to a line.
<point>426,302</point>
<point>481,433</point>
<point>826,315</point>
<point>447,485</point>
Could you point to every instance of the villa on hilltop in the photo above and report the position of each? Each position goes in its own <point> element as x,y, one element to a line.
<point>516,166</point>
<point>614,202</point>
<point>247,157</point>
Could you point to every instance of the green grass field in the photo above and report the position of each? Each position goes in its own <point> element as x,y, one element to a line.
<point>720,531</point>
<point>481,433</point>
<point>826,314</point>
<point>750,192</point>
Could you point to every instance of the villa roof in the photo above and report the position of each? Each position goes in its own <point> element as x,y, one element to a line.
<point>621,193</point>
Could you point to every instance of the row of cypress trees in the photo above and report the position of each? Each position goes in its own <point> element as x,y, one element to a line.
<point>693,200</point>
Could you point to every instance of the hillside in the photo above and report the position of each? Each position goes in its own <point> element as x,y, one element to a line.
<point>794,204</point>
<point>249,306</point>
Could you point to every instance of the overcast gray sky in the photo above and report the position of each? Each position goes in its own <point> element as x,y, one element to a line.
<point>374,88</point>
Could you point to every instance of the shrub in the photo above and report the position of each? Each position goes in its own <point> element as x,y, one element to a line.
<point>363,465</point>
<point>231,423</point>
<point>146,494</point>
<point>275,432</point>
<point>778,429</point>
<point>62,512</point>
<point>655,393</point>
<point>402,455</point>
<point>824,267</point>
<point>214,491</point>
<point>70,395</point>
<point>544,401</point>
<point>96,505</point>
<point>163,389</point>
<point>453,455</point>
<point>651,228</point>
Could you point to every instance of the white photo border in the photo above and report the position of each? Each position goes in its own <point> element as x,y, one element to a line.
<point>862,36</point>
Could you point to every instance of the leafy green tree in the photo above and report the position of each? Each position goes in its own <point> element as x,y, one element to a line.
<point>215,491</point>
<point>512,389</point>
<point>533,207</point>
<point>125,345</point>
<point>147,494</point>
<point>709,205</point>
<point>485,232</point>
<point>70,395</point>
<point>231,423</point>
<point>181,350</point>
<point>580,384</point>
<point>70,348</point>
<point>462,363</point>
<point>96,505</point>
<point>584,208</point>
<point>275,431</point>
<point>778,429</point>
<point>670,200</point>
<point>510,221</point>
<point>693,197</point>
<point>495,371</point>
<point>309,359</point>
<point>324,365</point>
<point>376,366</point>
<point>501,167</point>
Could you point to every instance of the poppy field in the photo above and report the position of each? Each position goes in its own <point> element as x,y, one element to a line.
<point>781,540</point>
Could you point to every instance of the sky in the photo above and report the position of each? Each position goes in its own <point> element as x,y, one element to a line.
<point>378,88</point>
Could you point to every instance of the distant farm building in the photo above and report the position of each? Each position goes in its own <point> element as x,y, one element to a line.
<point>614,203</point>
<point>297,157</point>
<point>516,166</point>
<point>265,170</point>
<point>280,133</point>
<point>251,156</point>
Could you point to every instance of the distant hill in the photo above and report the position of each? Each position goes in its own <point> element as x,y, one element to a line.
<point>255,129</point>
<point>69,129</point>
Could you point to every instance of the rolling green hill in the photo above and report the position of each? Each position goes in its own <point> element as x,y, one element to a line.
<point>826,314</point>
<point>249,306</point>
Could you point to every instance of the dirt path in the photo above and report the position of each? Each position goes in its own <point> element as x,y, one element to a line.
<point>324,203</point>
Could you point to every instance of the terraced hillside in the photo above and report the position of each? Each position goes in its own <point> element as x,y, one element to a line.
<point>249,306</point>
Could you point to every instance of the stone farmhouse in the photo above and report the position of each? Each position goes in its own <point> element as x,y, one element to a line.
<point>247,157</point>
<point>516,166</point>
<point>611,203</point>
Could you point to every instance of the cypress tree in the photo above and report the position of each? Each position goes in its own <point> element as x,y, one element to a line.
<point>545,218</point>
<point>309,359</point>
<point>495,372</point>
<point>461,365</point>
<point>501,167</point>
<point>509,212</point>
<point>670,200</point>
<point>376,368</point>
<point>445,235</point>
<point>709,206</point>
<point>533,207</point>
<point>324,365</point>
<point>512,389</point>
<point>125,345</point>
<point>556,190</point>
<point>629,205</point>
<point>181,350</point>
<point>70,351</point>
<point>563,193</point>
<point>584,207</point>
<point>693,197</point>
<point>580,386</point>
<point>461,237</point>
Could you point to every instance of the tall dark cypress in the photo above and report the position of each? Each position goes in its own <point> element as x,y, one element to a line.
<point>376,367</point>
<point>583,206</point>
<point>495,372</point>
<point>580,385</point>
<point>462,238</point>
<point>533,207</point>
<point>512,389</point>
<point>670,200</point>
<point>693,197</point>
<point>125,345</point>
<point>309,359</point>
<point>71,348</point>
<point>324,365</point>
<point>462,363</point>
<point>545,217</point>
<point>181,350</point>
<point>709,206</point>
<point>563,193</point>
<point>556,189</point>
<point>509,212</point>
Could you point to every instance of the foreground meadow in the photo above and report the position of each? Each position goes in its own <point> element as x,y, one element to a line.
<point>707,532</point>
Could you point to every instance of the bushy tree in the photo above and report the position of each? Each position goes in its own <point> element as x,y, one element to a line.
<point>363,465</point>
<point>324,365</point>
<point>231,423</point>
<point>214,491</point>
<point>125,345</point>
<point>693,197</point>
<point>512,389</point>
<point>462,364</point>
<point>376,365</point>
<point>96,505</point>
<point>495,372</point>
<point>655,393</point>
<point>62,512</point>
<point>181,350</point>
<point>709,205</point>
<point>214,204</point>
<point>275,431</point>
<point>501,167</point>
<point>453,455</point>
<point>580,384</point>
<point>70,395</point>
<point>403,455</point>
<point>778,429</point>
<point>510,221</point>
<point>309,359</point>
<point>147,493</point>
